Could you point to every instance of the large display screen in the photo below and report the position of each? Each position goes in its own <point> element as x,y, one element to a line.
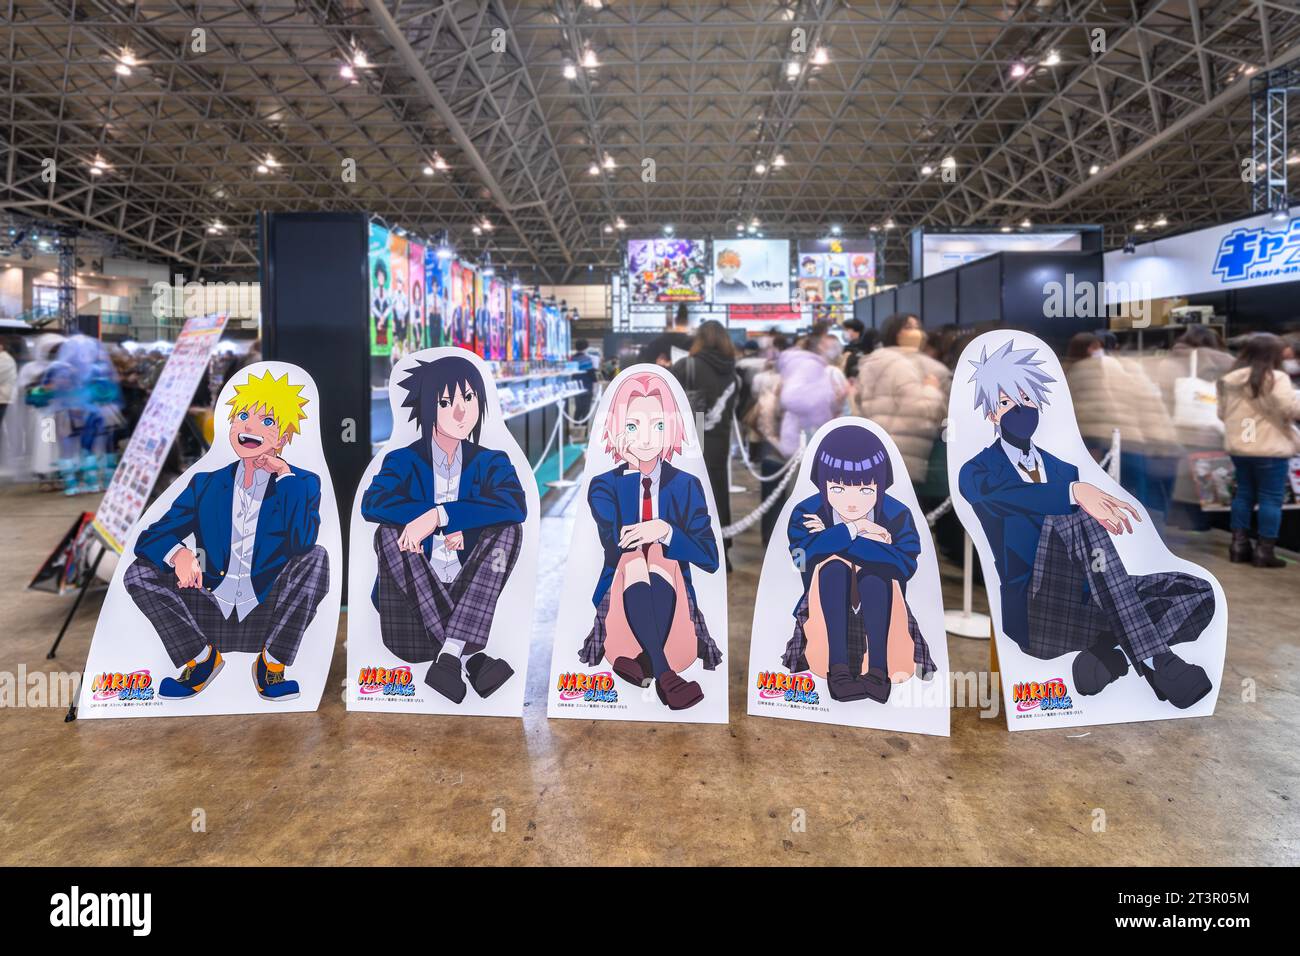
<point>667,270</point>
<point>751,270</point>
<point>836,271</point>
<point>381,287</point>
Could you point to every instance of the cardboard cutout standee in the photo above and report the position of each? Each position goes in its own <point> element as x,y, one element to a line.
<point>235,563</point>
<point>1097,621</point>
<point>642,624</point>
<point>444,556</point>
<point>856,569</point>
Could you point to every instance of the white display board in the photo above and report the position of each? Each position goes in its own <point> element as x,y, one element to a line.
<point>257,516</point>
<point>609,567</point>
<point>852,481</point>
<point>152,437</point>
<point>751,271</point>
<point>1085,596</point>
<point>941,251</point>
<point>472,578</point>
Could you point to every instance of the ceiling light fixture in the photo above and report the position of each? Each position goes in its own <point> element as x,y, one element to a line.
<point>570,71</point>
<point>820,57</point>
<point>608,161</point>
<point>1018,70</point>
<point>1094,169</point>
<point>589,60</point>
<point>793,69</point>
<point>1053,58</point>
<point>779,160</point>
<point>760,167</point>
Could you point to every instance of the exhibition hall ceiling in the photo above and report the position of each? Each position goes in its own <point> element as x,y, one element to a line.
<point>559,129</point>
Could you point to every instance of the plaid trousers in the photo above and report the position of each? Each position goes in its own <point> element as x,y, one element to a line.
<point>1080,591</point>
<point>593,648</point>
<point>189,619</point>
<point>794,660</point>
<point>418,612</point>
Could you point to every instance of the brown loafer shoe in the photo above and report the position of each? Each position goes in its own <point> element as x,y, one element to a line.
<point>676,693</point>
<point>634,670</point>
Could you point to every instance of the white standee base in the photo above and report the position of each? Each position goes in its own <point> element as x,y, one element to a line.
<point>967,624</point>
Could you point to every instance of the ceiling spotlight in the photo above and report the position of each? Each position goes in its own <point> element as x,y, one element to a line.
<point>439,163</point>
<point>1026,224</point>
<point>1006,228</point>
<point>1094,169</point>
<point>608,228</point>
<point>820,57</point>
<point>949,162</point>
<point>96,170</point>
<point>889,223</point>
<point>487,224</point>
<point>1139,227</point>
<point>589,60</point>
<point>608,161</point>
<point>619,223</point>
<point>874,229</point>
<point>1018,70</point>
<point>570,71</point>
<point>128,57</point>
<point>668,229</point>
<point>1053,58</point>
<point>792,69</point>
<point>477,231</point>
<point>444,250</point>
<point>263,168</point>
<point>1161,222</point>
<point>122,70</point>
<point>927,169</point>
<point>835,229</point>
<point>347,72</point>
<point>428,170</point>
<point>359,60</point>
<point>271,161</point>
<point>779,160</point>
<point>760,167</point>
<point>751,228</point>
<point>593,170</point>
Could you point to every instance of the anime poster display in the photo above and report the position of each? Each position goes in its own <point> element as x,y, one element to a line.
<point>519,327</point>
<point>554,319</point>
<point>539,330</point>
<point>462,306</point>
<point>642,624</point>
<point>381,292</point>
<point>417,322</point>
<point>667,270</point>
<point>498,318</point>
<point>1097,622</point>
<point>444,558</point>
<point>848,621</point>
<point>399,263</point>
<point>437,282</point>
<point>752,270</point>
<point>480,314</point>
<point>226,599</point>
<point>839,270</point>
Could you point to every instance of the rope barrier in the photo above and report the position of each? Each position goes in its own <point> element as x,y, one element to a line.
<point>591,412</point>
<point>744,455</point>
<point>789,470</point>
<point>547,450</point>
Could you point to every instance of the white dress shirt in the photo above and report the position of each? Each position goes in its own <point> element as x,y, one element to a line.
<point>654,496</point>
<point>446,485</point>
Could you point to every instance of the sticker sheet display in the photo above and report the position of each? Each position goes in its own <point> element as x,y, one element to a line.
<point>444,550</point>
<point>642,626</point>
<point>1096,620</point>
<point>848,620</point>
<point>226,599</point>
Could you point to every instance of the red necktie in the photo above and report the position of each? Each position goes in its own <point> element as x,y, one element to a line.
<point>647,509</point>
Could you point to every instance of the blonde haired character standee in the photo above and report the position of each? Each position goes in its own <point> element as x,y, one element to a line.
<point>262,574</point>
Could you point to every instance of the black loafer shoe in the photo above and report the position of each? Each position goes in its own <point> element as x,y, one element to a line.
<point>1097,668</point>
<point>1175,680</point>
<point>878,685</point>
<point>843,686</point>
<point>444,677</point>
<point>486,674</point>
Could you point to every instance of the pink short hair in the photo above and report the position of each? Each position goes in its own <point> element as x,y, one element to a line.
<point>643,385</point>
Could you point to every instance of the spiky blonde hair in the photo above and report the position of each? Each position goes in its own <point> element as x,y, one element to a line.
<point>280,400</point>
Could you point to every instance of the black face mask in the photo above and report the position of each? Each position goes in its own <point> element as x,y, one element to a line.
<point>1018,425</point>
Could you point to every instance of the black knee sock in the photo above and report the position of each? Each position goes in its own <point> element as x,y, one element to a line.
<point>644,619</point>
<point>833,595</point>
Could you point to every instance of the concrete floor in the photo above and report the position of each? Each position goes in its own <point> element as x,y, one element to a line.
<point>337,788</point>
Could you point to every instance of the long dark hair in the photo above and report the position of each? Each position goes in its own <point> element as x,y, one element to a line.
<point>852,455</point>
<point>893,325</point>
<point>1262,354</point>
<point>711,336</point>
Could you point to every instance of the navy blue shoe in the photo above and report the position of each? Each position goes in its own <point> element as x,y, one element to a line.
<point>270,681</point>
<point>195,677</point>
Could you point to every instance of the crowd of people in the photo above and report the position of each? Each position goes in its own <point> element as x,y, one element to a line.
<point>1182,413</point>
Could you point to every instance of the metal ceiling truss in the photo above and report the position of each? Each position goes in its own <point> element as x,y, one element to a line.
<point>702,88</point>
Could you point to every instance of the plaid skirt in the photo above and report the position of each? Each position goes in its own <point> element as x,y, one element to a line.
<point>593,648</point>
<point>794,659</point>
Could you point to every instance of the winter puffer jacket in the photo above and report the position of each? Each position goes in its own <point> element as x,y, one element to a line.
<point>812,393</point>
<point>905,392</point>
<point>1263,427</point>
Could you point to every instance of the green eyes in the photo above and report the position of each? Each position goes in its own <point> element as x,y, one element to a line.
<point>630,428</point>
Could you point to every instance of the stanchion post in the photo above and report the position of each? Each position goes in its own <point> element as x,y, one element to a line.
<point>968,622</point>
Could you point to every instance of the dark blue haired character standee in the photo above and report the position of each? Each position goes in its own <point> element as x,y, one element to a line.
<point>856,548</point>
<point>450,515</point>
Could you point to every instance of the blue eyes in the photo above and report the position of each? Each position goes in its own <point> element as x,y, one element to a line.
<point>660,426</point>
<point>243,416</point>
<point>268,422</point>
<point>631,427</point>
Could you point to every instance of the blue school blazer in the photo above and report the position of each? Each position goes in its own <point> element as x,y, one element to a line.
<point>895,561</point>
<point>1011,512</point>
<point>490,493</point>
<point>615,500</point>
<point>287,525</point>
